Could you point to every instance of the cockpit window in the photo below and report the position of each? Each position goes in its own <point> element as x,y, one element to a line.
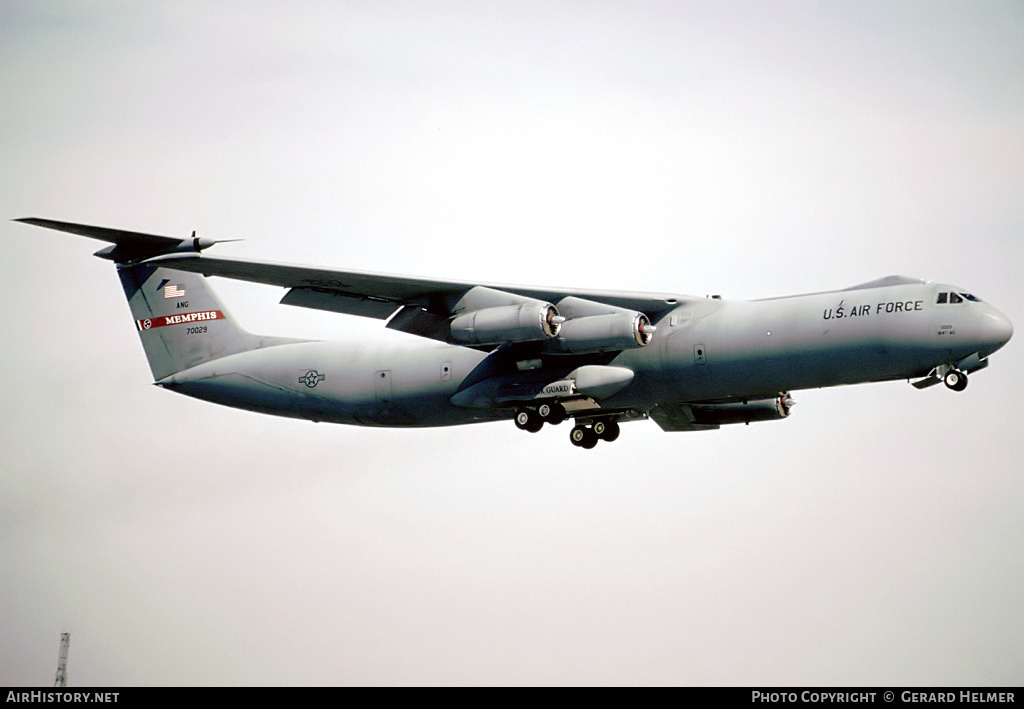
<point>949,297</point>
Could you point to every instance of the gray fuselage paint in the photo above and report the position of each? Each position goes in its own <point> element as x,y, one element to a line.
<point>751,349</point>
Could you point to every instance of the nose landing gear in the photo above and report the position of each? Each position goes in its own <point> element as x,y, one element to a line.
<point>955,380</point>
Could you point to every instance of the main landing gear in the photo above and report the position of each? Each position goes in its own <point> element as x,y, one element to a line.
<point>955,380</point>
<point>588,436</point>
<point>533,420</point>
<point>581,435</point>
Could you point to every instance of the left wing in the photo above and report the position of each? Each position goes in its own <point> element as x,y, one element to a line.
<point>393,291</point>
<point>421,306</point>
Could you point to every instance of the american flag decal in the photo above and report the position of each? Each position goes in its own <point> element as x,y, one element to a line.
<point>173,291</point>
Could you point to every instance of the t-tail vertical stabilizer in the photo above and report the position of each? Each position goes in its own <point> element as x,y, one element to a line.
<point>181,321</point>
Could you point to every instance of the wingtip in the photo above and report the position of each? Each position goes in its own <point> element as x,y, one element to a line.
<point>36,221</point>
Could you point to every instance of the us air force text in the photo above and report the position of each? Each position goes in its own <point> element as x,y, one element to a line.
<point>896,306</point>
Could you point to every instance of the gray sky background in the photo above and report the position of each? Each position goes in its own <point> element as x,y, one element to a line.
<point>748,149</point>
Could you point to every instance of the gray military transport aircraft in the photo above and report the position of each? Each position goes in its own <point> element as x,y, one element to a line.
<point>535,355</point>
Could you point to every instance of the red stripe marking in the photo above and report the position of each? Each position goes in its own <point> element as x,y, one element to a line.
<point>179,319</point>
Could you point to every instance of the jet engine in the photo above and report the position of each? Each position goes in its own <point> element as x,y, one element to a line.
<point>744,411</point>
<point>521,322</point>
<point>598,327</point>
<point>603,333</point>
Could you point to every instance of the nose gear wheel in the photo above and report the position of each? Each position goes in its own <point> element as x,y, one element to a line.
<point>955,380</point>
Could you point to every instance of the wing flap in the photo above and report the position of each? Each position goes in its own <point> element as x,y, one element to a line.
<point>321,299</point>
<point>417,321</point>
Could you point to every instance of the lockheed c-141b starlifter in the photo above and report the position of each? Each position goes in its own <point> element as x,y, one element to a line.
<point>535,355</point>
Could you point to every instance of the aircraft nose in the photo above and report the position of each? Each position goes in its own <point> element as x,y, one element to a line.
<point>996,330</point>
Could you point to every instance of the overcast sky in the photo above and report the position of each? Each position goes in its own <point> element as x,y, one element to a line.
<point>748,149</point>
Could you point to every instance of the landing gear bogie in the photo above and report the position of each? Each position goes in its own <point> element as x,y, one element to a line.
<point>583,435</point>
<point>553,413</point>
<point>533,419</point>
<point>529,420</point>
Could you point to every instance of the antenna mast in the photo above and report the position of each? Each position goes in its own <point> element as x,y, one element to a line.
<point>62,661</point>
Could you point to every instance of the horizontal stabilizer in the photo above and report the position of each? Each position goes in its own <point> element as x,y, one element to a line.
<point>127,245</point>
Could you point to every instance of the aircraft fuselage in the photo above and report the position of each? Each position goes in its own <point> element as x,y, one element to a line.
<point>704,351</point>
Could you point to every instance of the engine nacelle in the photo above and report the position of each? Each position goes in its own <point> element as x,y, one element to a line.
<point>604,333</point>
<point>743,411</point>
<point>522,322</point>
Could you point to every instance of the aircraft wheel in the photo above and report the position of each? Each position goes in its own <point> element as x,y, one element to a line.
<point>583,437</point>
<point>609,432</point>
<point>957,381</point>
<point>528,420</point>
<point>577,434</point>
<point>553,413</point>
